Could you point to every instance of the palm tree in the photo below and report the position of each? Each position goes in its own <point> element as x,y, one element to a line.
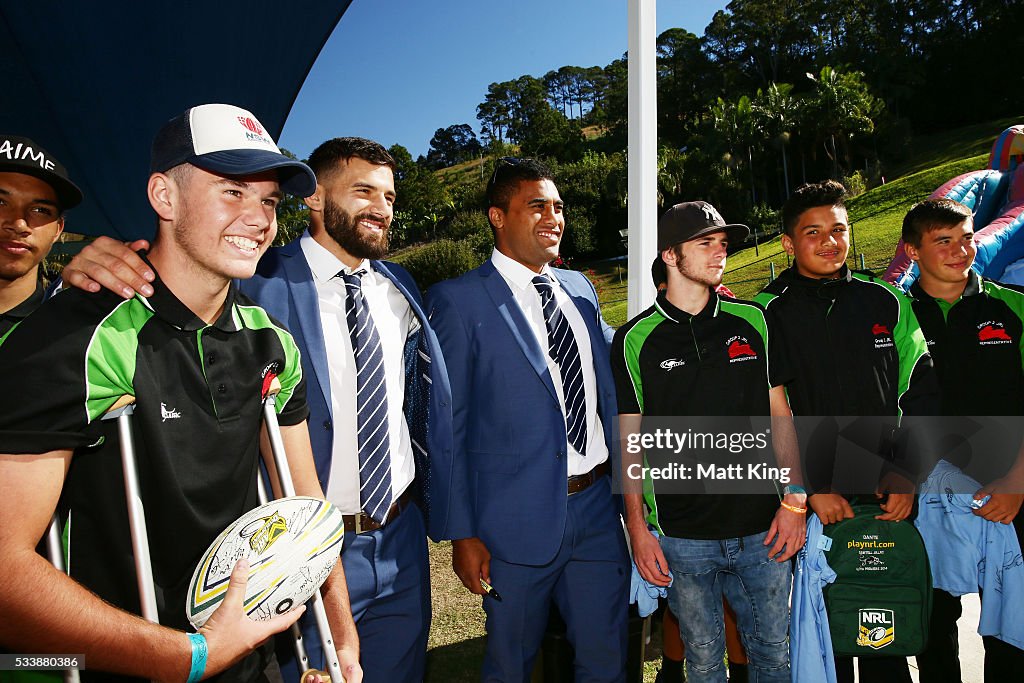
<point>841,106</point>
<point>778,111</point>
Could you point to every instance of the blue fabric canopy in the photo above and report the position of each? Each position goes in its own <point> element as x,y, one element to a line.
<point>93,81</point>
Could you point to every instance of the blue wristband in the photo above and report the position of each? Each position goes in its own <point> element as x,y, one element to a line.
<point>198,643</point>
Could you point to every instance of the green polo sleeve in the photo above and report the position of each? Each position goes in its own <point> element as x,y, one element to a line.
<point>77,354</point>
<point>917,390</point>
<point>1013,297</point>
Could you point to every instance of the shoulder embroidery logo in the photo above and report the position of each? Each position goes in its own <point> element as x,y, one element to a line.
<point>670,363</point>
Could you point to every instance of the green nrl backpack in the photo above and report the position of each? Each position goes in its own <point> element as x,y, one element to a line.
<point>881,601</point>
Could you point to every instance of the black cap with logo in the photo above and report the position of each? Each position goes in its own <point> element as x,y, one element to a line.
<point>21,155</point>
<point>690,220</point>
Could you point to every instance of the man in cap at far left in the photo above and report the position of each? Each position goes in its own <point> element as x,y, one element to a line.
<point>35,192</point>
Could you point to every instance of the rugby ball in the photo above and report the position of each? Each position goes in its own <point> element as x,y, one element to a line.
<point>291,544</point>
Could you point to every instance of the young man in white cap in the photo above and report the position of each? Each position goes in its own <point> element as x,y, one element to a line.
<point>35,191</point>
<point>696,353</point>
<point>195,355</point>
<point>308,285</point>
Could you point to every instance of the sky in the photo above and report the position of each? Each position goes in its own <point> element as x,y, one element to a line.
<point>397,70</point>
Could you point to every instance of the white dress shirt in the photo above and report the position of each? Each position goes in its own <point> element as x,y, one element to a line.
<point>520,280</point>
<point>395,321</point>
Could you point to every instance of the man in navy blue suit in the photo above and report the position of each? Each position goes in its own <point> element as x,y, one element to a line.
<point>380,406</point>
<point>533,408</point>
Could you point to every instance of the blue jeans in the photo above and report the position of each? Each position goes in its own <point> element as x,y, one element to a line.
<point>757,589</point>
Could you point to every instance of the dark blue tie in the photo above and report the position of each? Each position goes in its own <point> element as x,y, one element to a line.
<point>371,402</point>
<point>563,350</point>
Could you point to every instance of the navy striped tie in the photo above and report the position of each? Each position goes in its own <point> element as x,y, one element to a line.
<point>371,402</point>
<point>563,350</point>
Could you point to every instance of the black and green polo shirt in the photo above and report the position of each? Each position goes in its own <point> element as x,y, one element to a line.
<point>198,390</point>
<point>862,355</point>
<point>976,345</point>
<point>857,342</point>
<point>11,317</point>
<point>720,362</point>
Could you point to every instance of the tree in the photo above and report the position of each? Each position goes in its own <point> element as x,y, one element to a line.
<point>421,199</point>
<point>685,84</point>
<point>292,218</point>
<point>452,145</point>
<point>494,112</point>
<point>777,112</point>
<point>841,106</point>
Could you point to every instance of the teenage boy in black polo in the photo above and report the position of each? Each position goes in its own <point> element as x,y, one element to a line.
<point>34,194</point>
<point>196,356</point>
<point>974,328</point>
<point>860,352</point>
<point>698,353</point>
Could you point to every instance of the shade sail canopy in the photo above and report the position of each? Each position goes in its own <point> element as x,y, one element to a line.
<point>93,81</point>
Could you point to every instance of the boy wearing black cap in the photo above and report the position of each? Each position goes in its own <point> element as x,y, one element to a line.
<point>34,194</point>
<point>196,356</point>
<point>861,353</point>
<point>697,353</point>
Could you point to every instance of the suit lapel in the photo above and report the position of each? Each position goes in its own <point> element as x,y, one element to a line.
<point>513,316</point>
<point>307,310</point>
<point>586,310</point>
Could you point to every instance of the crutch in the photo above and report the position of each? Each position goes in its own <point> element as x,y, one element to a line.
<point>300,648</point>
<point>284,477</point>
<point>55,550</point>
<point>120,411</point>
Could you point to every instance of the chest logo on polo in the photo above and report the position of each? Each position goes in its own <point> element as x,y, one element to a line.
<point>168,413</point>
<point>882,335</point>
<point>740,350</point>
<point>992,332</point>
<point>876,628</point>
<point>670,363</point>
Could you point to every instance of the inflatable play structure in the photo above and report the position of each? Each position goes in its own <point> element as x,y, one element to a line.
<point>996,198</point>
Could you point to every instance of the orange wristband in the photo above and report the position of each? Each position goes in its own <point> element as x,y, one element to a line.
<point>791,508</point>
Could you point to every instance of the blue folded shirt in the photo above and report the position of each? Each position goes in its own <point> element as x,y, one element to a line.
<point>644,593</point>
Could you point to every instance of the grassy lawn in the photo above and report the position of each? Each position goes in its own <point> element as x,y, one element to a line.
<point>455,649</point>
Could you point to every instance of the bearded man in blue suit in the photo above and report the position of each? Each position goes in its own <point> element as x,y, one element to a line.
<point>378,394</point>
<point>533,409</point>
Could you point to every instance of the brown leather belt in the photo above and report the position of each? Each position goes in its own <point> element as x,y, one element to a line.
<point>579,482</point>
<point>363,523</point>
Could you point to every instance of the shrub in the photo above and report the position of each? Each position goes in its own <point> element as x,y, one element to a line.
<point>466,224</point>
<point>765,219</point>
<point>440,260</point>
<point>855,184</point>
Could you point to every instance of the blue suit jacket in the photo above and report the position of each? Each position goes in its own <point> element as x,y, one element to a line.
<point>283,285</point>
<point>509,431</point>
